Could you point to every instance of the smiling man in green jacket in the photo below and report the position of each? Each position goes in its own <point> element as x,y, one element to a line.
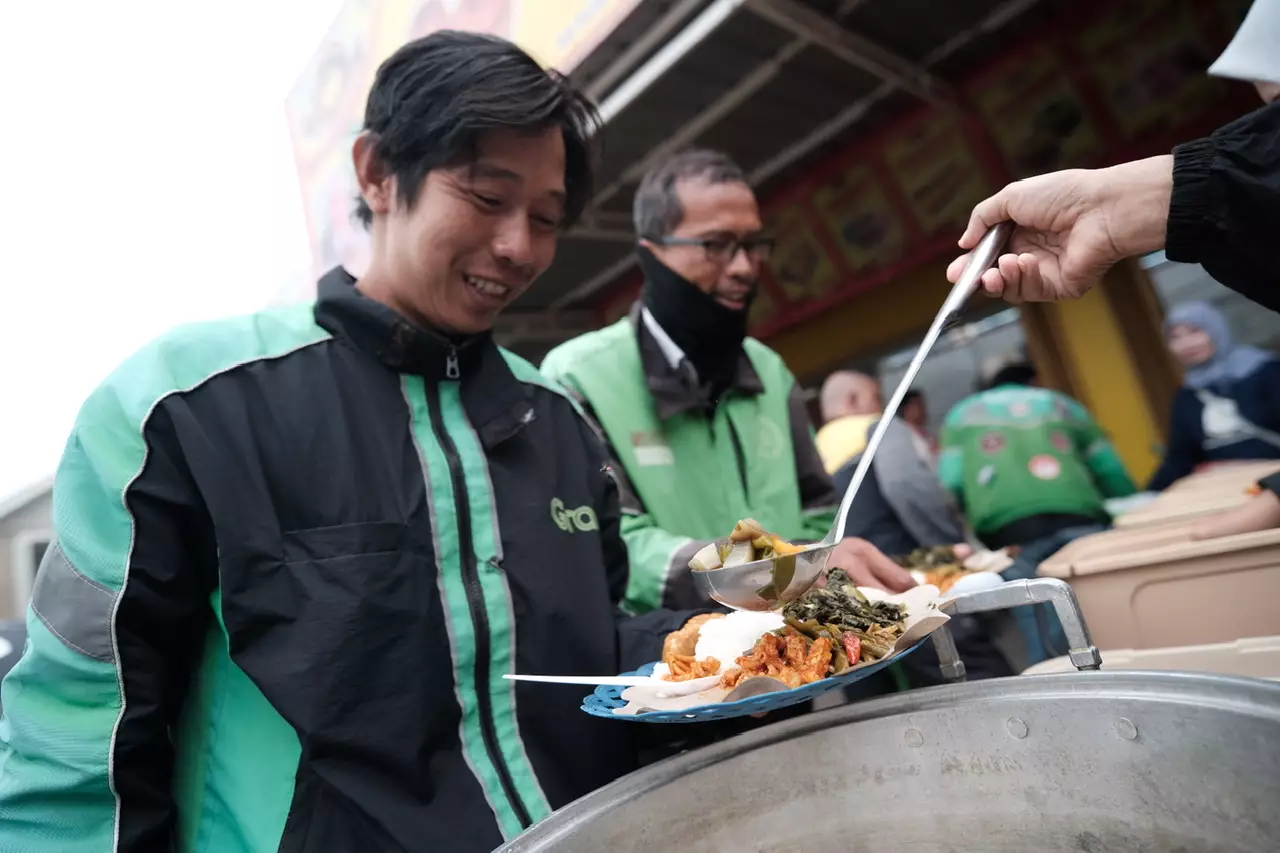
<point>707,425</point>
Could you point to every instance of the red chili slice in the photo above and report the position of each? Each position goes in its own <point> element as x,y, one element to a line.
<point>852,646</point>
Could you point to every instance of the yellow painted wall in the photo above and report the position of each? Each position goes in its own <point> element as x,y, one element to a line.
<point>1111,388</point>
<point>1091,344</point>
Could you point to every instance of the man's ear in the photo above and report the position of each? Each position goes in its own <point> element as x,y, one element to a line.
<point>376,186</point>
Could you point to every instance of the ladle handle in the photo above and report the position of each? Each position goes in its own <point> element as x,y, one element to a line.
<point>982,259</point>
<point>986,253</point>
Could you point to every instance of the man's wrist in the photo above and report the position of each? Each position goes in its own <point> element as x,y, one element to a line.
<point>1136,197</point>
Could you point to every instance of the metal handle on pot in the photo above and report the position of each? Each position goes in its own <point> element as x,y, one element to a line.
<point>1084,654</point>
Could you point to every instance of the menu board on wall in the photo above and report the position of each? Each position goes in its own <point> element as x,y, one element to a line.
<point>1037,117</point>
<point>1149,58</point>
<point>856,210</point>
<point>799,263</point>
<point>938,172</point>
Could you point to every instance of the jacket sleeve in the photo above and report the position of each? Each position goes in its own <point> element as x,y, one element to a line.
<point>658,559</point>
<point>819,500</point>
<point>1183,453</point>
<point>640,637</point>
<point>116,618</point>
<point>1099,453</point>
<point>1225,203</point>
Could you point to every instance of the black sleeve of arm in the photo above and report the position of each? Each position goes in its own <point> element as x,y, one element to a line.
<point>1226,204</point>
<point>1272,483</point>
<point>161,622</point>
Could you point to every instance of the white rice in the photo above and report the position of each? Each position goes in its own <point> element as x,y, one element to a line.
<point>728,638</point>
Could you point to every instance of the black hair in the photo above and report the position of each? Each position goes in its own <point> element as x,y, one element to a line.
<point>434,97</point>
<point>1023,373</point>
<point>656,210</point>
<point>913,394</point>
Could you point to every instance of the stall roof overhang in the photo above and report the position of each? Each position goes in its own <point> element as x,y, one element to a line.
<point>773,83</point>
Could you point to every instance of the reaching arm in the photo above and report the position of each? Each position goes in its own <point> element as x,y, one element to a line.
<point>116,619</point>
<point>1212,202</point>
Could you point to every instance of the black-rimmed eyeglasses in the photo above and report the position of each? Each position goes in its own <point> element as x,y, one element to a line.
<point>723,249</point>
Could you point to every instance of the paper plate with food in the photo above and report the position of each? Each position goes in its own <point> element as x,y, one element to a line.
<point>746,662</point>
<point>954,571</point>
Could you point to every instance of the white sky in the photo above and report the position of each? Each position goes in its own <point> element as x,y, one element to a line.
<point>146,180</point>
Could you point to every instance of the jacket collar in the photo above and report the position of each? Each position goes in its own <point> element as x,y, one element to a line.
<point>496,402</point>
<point>674,386</point>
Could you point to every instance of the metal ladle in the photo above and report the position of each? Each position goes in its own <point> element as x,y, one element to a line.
<point>768,584</point>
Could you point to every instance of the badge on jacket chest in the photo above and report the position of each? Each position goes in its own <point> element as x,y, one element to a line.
<point>651,449</point>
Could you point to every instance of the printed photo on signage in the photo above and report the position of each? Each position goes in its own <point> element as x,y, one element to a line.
<point>799,263</point>
<point>855,208</point>
<point>938,172</point>
<point>1150,58</point>
<point>1037,117</point>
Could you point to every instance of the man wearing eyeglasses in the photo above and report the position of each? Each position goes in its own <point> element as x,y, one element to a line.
<point>706,425</point>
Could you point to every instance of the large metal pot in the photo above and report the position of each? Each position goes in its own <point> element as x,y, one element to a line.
<point>1096,761</point>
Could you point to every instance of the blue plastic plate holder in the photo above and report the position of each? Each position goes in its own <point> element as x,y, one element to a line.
<point>605,700</point>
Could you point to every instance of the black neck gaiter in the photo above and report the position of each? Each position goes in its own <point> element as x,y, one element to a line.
<point>709,333</point>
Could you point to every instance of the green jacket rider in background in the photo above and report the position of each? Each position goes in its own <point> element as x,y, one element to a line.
<point>707,426</point>
<point>1027,462</point>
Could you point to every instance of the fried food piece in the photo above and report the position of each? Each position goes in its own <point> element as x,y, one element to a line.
<point>944,577</point>
<point>685,641</point>
<point>815,664</point>
<point>792,659</point>
<point>687,668</point>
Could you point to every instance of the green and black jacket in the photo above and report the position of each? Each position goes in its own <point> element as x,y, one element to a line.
<point>296,553</point>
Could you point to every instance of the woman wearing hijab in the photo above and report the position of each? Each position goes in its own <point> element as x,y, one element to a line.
<point>1229,405</point>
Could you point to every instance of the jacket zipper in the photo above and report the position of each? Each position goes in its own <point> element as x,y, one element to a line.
<point>740,457</point>
<point>475,596</point>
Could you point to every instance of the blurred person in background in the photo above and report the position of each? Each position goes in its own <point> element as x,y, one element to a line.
<point>850,402</point>
<point>916,413</point>
<point>900,506</point>
<point>1229,405</point>
<point>1031,468</point>
<point>1214,201</point>
<point>296,552</point>
<point>706,425</point>
<point>1026,462</point>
